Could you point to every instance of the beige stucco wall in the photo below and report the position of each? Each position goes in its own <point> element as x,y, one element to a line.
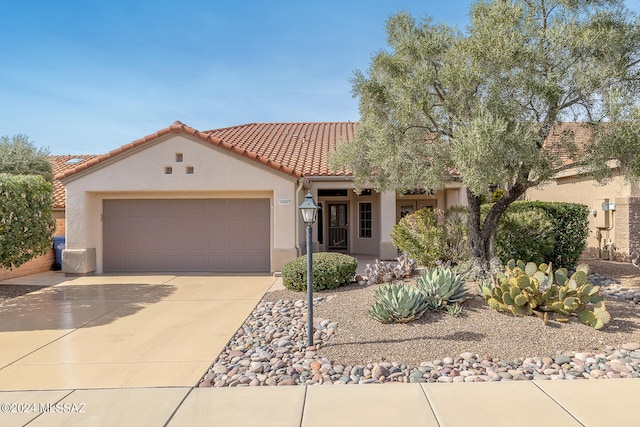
<point>575,188</point>
<point>141,174</point>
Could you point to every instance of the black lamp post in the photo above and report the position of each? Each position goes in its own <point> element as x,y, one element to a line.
<point>309,211</point>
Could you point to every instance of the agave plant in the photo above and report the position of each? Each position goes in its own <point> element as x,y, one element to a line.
<point>397,304</point>
<point>441,286</point>
<point>454,310</point>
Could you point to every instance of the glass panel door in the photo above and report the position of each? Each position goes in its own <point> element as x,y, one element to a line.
<point>338,227</point>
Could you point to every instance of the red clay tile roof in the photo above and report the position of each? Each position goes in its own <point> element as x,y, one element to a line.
<point>60,164</point>
<point>302,147</point>
<point>573,134</point>
<point>295,149</point>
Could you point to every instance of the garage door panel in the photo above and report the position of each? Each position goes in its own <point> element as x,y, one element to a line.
<point>217,262</point>
<point>238,262</point>
<point>192,233</point>
<point>213,235</point>
<point>257,263</point>
<point>237,224</point>
<point>237,208</point>
<point>259,226</point>
<point>142,235</point>
<point>257,245</point>
<point>217,208</point>
<point>216,224</point>
<point>237,245</point>
<point>197,263</point>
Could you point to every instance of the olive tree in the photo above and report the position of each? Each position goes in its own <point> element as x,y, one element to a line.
<point>478,105</point>
<point>19,156</point>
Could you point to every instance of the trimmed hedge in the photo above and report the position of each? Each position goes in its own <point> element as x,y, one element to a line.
<point>570,223</point>
<point>26,221</point>
<point>330,270</point>
<point>525,234</point>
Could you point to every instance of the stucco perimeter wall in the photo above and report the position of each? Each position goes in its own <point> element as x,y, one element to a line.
<point>580,189</point>
<point>142,174</point>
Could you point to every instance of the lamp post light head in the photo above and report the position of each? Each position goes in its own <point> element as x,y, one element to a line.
<point>309,209</point>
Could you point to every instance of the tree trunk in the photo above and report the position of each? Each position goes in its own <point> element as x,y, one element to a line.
<point>482,233</point>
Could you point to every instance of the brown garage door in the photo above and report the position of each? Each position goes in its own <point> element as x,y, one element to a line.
<point>206,235</point>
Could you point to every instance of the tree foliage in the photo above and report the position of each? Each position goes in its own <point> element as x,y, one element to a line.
<point>19,156</point>
<point>478,105</point>
<point>26,222</point>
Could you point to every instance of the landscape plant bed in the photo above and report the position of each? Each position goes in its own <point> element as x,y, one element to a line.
<point>480,344</point>
<point>478,329</point>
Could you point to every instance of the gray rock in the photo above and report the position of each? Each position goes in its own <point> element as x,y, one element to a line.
<point>380,371</point>
<point>256,367</point>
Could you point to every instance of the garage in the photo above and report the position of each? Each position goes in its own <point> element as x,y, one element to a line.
<point>186,235</point>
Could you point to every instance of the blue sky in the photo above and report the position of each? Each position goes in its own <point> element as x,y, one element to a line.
<point>82,76</point>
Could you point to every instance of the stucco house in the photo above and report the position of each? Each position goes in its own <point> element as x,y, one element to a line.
<point>614,220</point>
<point>225,200</point>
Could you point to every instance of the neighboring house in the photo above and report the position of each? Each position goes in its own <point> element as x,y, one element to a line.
<point>43,263</point>
<point>614,220</point>
<point>225,200</point>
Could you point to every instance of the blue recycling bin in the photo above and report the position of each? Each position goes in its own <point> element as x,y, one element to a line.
<point>58,245</point>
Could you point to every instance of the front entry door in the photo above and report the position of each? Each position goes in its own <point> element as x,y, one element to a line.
<point>338,227</point>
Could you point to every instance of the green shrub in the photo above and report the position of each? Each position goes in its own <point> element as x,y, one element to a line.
<point>538,231</point>
<point>26,222</point>
<point>525,234</point>
<point>571,227</point>
<point>431,235</point>
<point>568,228</point>
<point>421,236</point>
<point>330,270</point>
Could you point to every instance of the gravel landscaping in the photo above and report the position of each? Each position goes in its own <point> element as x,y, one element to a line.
<point>479,345</point>
<point>13,291</point>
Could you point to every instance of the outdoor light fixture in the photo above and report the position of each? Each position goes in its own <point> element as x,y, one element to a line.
<point>309,211</point>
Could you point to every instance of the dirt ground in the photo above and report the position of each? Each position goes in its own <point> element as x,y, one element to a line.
<point>626,273</point>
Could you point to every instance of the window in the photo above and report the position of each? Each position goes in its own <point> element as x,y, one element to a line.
<point>179,157</point>
<point>333,193</point>
<point>189,170</point>
<point>364,214</point>
<point>168,170</point>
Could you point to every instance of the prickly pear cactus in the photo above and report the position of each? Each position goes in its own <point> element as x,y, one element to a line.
<point>526,289</point>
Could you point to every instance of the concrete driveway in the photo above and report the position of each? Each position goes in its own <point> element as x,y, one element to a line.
<point>122,331</point>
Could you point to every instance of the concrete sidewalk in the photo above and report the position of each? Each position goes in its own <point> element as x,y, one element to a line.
<point>523,403</point>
